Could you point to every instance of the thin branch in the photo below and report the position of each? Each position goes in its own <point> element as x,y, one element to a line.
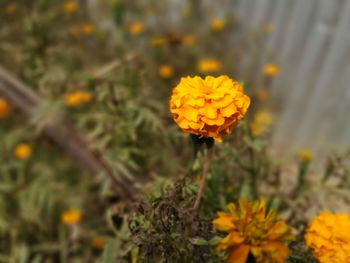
<point>64,135</point>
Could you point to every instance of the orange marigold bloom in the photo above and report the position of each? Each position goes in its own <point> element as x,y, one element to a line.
<point>157,41</point>
<point>4,108</point>
<point>189,40</point>
<point>271,70</point>
<point>251,230</point>
<point>87,29</point>
<point>97,243</point>
<point>10,9</point>
<point>217,24</point>
<point>166,71</point>
<point>261,122</point>
<point>78,97</point>
<point>209,65</point>
<point>136,28</point>
<point>22,151</point>
<point>329,236</point>
<point>306,156</point>
<point>70,6</point>
<point>71,216</point>
<point>209,107</point>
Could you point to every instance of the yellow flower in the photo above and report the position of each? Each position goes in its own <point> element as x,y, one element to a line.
<point>189,40</point>
<point>262,94</point>
<point>166,71</point>
<point>217,24</point>
<point>271,70</point>
<point>87,29</point>
<point>70,6</point>
<point>4,108</point>
<point>329,236</point>
<point>209,65</point>
<point>157,41</point>
<point>22,151</point>
<point>10,9</point>
<point>78,97</point>
<point>136,28</point>
<point>71,216</point>
<point>261,122</point>
<point>251,230</point>
<point>209,107</point>
<point>306,156</point>
<point>97,243</point>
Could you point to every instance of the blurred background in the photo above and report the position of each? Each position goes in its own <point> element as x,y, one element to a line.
<point>85,126</point>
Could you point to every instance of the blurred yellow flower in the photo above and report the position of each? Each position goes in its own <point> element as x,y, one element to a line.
<point>306,156</point>
<point>166,71</point>
<point>22,151</point>
<point>267,28</point>
<point>189,40</point>
<point>271,70</point>
<point>4,108</point>
<point>97,243</point>
<point>10,9</point>
<point>157,41</point>
<point>261,122</point>
<point>71,216</point>
<point>70,6</point>
<point>250,229</point>
<point>217,24</point>
<point>87,29</point>
<point>209,107</point>
<point>262,94</point>
<point>136,28</point>
<point>78,97</point>
<point>209,65</point>
<point>329,236</point>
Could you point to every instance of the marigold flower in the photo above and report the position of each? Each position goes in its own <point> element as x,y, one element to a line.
<point>87,29</point>
<point>262,94</point>
<point>10,9</point>
<point>78,97</point>
<point>209,65</point>
<point>306,156</point>
<point>166,71</point>
<point>251,230</point>
<point>271,70</point>
<point>22,151</point>
<point>209,107</point>
<point>261,122</point>
<point>4,108</point>
<point>136,28</point>
<point>97,243</point>
<point>217,24</point>
<point>71,216</point>
<point>189,40</point>
<point>328,236</point>
<point>70,6</point>
<point>157,41</point>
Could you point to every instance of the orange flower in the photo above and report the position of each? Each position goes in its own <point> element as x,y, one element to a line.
<point>97,243</point>
<point>157,41</point>
<point>271,70</point>
<point>306,156</point>
<point>87,29</point>
<point>209,65</point>
<point>136,28</point>
<point>78,97</point>
<point>22,151</point>
<point>70,6</point>
<point>189,40</point>
<point>166,71</point>
<point>329,236</point>
<point>262,94</point>
<point>10,9</point>
<point>262,120</point>
<point>217,24</point>
<point>4,108</point>
<point>251,230</point>
<point>71,217</point>
<point>209,107</point>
